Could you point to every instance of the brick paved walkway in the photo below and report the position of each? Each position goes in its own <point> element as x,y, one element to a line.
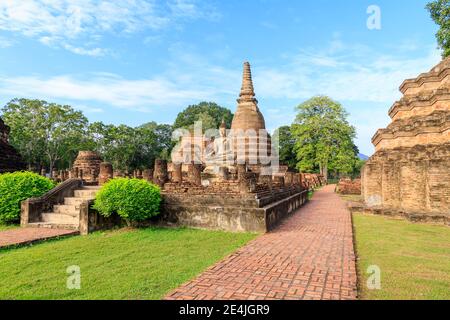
<point>20,236</point>
<point>309,256</point>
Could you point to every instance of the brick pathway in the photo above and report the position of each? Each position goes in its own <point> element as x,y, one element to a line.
<point>20,236</point>
<point>309,256</point>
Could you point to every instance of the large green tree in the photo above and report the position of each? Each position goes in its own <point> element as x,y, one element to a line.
<point>46,134</point>
<point>284,142</point>
<point>129,148</point>
<point>440,13</point>
<point>210,113</point>
<point>323,137</point>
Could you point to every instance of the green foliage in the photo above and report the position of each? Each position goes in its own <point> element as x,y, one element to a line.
<point>45,133</point>
<point>51,135</point>
<point>131,199</point>
<point>129,148</point>
<point>323,137</point>
<point>440,13</point>
<point>16,187</point>
<point>284,142</point>
<point>209,113</point>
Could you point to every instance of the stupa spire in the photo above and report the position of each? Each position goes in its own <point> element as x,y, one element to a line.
<point>247,89</point>
<point>247,115</point>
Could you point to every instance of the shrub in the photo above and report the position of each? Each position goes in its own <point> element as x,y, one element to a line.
<point>131,199</point>
<point>16,187</point>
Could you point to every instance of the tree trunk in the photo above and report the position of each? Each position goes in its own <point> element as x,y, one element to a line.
<point>325,172</point>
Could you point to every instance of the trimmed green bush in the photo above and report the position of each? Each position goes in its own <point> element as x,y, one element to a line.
<point>16,187</point>
<point>131,199</point>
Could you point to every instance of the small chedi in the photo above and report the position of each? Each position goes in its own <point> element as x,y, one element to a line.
<point>87,166</point>
<point>10,160</point>
<point>409,172</point>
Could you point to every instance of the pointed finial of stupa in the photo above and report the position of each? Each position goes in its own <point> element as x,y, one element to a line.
<point>247,90</point>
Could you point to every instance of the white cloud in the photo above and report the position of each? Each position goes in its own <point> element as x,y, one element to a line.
<point>350,73</point>
<point>65,23</point>
<point>95,52</point>
<point>142,95</point>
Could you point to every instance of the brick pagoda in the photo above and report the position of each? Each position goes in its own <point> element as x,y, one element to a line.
<point>409,172</point>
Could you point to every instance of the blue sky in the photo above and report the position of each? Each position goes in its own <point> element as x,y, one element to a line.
<point>134,61</point>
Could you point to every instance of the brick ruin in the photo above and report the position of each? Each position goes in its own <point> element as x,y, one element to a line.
<point>409,172</point>
<point>223,192</point>
<point>10,159</point>
<point>349,186</point>
<point>216,194</point>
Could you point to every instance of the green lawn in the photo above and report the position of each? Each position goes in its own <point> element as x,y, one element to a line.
<point>4,227</point>
<point>414,258</point>
<point>123,264</point>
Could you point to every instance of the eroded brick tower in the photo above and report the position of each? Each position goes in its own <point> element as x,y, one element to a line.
<point>410,170</point>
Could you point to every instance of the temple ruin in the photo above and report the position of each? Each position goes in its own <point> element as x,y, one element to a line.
<point>409,172</point>
<point>10,159</point>
<point>227,182</point>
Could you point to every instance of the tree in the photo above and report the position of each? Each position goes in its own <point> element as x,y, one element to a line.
<point>46,134</point>
<point>209,113</point>
<point>25,118</point>
<point>440,13</point>
<point>116,144</point>
<point>163,133</point>
<point>284,142</point>
<point>130,148</point>
<point>323,137</point>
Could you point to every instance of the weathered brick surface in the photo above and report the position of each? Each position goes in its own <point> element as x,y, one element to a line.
<point>349,186</point>
<point>309,256</point>
<point>28,235</point>
<point>409,173</point>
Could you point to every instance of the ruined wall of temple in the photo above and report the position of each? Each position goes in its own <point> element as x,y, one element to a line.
<point>10,159</point>
<point>409,172</point>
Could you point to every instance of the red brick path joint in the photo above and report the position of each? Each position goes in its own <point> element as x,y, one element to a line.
<point>310,256</point>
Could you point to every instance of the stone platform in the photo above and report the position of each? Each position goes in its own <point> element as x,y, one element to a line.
<point>253,212</point>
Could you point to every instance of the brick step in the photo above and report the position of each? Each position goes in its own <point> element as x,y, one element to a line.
<point>85,193</point>
<point>67,209</point>
<point>58,218</point>
<point>91,188</point>
<point>73,201</point>
<point>64,226</point>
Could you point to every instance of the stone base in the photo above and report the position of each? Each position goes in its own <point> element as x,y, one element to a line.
<point>240,213</point>
<point>409,180</point>
<point>411,216</point>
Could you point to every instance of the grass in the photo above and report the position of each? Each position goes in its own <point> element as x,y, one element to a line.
<point>351,197</point>
<point>414,258</point>
<point>121,264</point>
<point>4,227</point>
